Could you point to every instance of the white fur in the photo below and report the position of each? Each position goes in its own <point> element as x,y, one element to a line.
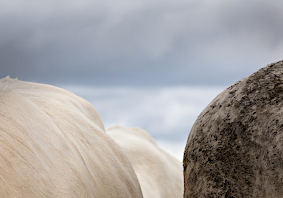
<point>53,144</point>
<point>160,175</point>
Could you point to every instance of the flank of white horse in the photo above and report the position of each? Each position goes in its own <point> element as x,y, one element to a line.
<point>160,174</point>
<point>53,144</point>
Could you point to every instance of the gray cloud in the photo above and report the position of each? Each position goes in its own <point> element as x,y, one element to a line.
<point>138,43</point>
<point>169,44</point>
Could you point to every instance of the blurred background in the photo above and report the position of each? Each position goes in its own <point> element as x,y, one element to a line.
<point>153,64</point>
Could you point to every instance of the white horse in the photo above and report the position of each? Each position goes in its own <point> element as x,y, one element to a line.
<point>53,144</point>
<point>160,175</point>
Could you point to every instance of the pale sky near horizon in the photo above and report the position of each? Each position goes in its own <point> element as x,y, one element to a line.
<point>152,64</point>
<point>167,113</point>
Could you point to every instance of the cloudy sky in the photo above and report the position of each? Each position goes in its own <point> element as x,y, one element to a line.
<point>155,64</point>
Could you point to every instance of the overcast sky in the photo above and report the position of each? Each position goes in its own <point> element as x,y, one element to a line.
<point>170,51</point>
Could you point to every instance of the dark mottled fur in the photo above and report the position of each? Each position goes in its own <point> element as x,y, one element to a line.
<point>235,146</point>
